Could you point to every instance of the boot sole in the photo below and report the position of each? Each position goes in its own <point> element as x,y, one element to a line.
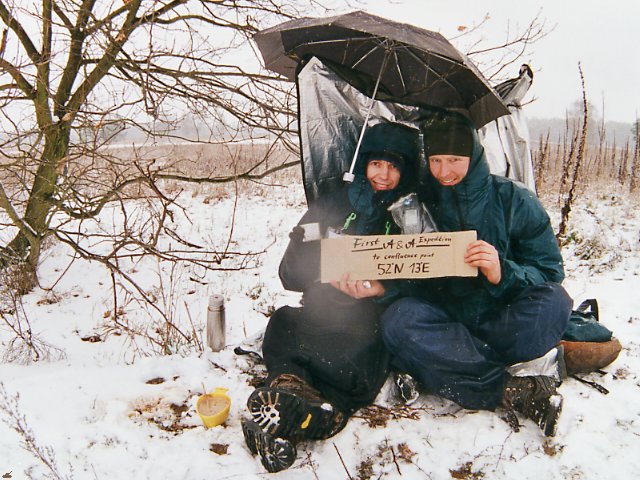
<point>284,414</point>
<point>276,454</point>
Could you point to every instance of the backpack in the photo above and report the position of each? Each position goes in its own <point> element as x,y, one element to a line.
<point>588,345</point>
<point>584,324</point>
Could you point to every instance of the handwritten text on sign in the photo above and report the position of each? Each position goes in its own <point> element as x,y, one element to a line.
<point>371,257</point>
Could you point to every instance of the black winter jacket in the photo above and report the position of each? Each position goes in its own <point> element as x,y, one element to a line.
<point>300,265</point>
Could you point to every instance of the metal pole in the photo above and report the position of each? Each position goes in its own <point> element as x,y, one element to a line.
<point>349,176</point>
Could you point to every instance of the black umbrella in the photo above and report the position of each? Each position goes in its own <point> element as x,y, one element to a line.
<point>408,65</point>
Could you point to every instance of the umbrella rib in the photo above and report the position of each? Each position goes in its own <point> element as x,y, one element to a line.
<point>389,44</point>
<point>431,69</point>
<point>382,44</point>
<point>337,40</point>
<point>399,70</point>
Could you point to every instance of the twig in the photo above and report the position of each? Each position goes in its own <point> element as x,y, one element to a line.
<point>393,454</point>
<point>342,461</point>
<point>312,465</point>
<point>17,421</point>
<point>595,385</point>
<point>218,366</point>
<point>198,342</point>
<point>502,447</point>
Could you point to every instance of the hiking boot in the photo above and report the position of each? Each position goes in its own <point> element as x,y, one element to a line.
<point>406,387</point>
<point>585,357</point>
<point>534,397</point>
<point>275,453</point>
<point>294,384</point>
<point>293,409</point>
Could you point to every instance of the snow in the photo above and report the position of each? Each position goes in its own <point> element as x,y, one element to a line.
<point>118,409</point>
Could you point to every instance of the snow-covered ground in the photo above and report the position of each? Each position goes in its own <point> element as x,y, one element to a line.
<point>106,405</point>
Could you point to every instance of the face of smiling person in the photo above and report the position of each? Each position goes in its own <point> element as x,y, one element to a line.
<point>382,175</point>
<point>449,170</point>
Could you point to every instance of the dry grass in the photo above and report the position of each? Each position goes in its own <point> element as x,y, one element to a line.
<point>95,172</point>
<point>605,166</point>
<point>604,169</point>
<point>213,161</point>
<point>203,159</point>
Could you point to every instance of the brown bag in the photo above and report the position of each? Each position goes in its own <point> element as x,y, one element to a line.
<point>585,357</point>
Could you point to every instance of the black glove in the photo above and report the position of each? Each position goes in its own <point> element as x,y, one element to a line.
<point>297,234</point>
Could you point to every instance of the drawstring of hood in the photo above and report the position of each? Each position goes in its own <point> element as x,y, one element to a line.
<point>350,218</point>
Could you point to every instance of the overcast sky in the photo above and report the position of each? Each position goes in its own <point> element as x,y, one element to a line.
<point>602,35</point>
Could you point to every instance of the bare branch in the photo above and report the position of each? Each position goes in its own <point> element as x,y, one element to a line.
<point>10,21</point>
<point>495,59</point>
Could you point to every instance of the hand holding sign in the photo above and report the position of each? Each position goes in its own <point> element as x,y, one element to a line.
<point>359,288</point>
<point>484,256</point>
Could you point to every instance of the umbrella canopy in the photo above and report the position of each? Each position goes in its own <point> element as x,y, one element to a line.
<point>411,65</point>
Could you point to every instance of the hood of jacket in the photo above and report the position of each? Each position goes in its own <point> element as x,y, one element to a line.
<point>388,141</point>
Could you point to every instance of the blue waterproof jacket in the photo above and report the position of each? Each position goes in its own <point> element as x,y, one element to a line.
<point>508,216</point>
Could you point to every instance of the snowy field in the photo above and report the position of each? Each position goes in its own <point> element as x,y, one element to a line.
<point>108,405</point>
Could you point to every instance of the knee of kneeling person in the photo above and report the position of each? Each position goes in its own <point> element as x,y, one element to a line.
<point>399,319</point>
<point>561,301</point>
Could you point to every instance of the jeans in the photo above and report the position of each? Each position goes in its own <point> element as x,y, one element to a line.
<point>465,362</point>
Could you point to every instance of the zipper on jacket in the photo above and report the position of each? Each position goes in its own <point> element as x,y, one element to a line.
<point>459,211</point>
<point>352,216</point>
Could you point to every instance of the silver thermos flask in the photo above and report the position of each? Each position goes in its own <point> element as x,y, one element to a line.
<point>215,323</point>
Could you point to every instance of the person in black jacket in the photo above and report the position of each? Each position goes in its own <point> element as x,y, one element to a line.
<point>326,359</point>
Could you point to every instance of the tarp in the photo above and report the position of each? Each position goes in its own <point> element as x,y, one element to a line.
<point>507,146</point>
<point>331,112</point>
<point>506,140</point>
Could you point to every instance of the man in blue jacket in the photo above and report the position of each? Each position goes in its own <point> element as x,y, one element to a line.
<point>457,336</point>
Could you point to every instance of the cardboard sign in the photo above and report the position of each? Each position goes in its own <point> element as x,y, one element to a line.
<point>377,257</point>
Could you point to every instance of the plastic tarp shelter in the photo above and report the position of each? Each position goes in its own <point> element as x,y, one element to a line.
<point>331,114</point>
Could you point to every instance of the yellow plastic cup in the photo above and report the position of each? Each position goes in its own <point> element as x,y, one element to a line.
<point>213,407</point>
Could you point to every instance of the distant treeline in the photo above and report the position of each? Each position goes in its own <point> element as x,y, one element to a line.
<point>615,133</point>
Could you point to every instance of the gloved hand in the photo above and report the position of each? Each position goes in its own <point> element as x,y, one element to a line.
<point>297,234</point>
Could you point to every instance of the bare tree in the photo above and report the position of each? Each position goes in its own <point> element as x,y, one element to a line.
<point>497,60</point>
<point>75,73</point>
